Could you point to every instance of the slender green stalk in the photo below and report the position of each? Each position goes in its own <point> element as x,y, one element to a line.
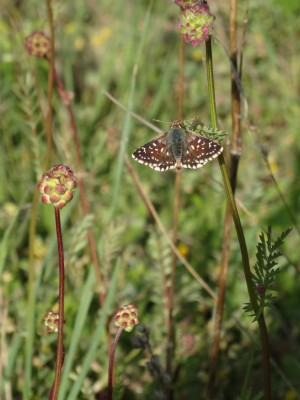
<point>228,225</point>
<point>239,230</point>
<point>171,343</point>
<point>127,124</point>
<point>30,334</point>
<point>30,302</point>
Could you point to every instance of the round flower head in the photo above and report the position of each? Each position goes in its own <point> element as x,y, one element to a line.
<point>57,185</point>
<point>38,44</point>
<point>51,321</point>
<point>127,317</point>
<point>196,22</point>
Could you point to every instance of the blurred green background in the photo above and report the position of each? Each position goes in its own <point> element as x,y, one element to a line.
<point>130,49</point>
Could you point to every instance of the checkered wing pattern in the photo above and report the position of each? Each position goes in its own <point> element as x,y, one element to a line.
<point>199,151</point>
<point>156,154</point>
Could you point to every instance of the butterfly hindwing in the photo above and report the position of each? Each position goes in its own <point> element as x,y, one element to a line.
<point>199,151</point>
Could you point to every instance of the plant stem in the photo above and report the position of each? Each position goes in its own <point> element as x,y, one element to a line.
<point>82,190</point>
<point>50,86</point>
<point>32,225</point>
<point>30,332</point>
<point>176,204</point>
<point>61,292</point>
<point>239,231</point>
<point>164,232</point>
<point>227,229</point>
<point>111,364</point>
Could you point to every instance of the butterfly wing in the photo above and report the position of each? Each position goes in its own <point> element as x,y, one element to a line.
<point>199,151</point>
<point>156,154</point>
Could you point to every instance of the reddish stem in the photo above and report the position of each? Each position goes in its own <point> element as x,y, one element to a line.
<point>61,291</point>
<point>111,364</point>
<point>82,191</point>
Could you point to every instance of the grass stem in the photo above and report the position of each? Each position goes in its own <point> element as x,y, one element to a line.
<point>239,231</point>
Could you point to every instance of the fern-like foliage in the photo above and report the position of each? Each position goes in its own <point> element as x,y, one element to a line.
<point>205,130</point>
<point>265,272</point>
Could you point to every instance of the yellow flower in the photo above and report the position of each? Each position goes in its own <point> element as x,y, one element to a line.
<point>183,249</point>
<point>290,395</point>
<point>69,28</point>
<point>100,37</point>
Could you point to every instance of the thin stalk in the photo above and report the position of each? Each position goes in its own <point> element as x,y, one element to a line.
<point>50,86</point>
<point>60,354</point>
<point>30,301</point>
<point>239,231</point>
<point>30,334</point>
<point>176,206</point>
<point>227,229</point>
<point>111,364</point>
<point>82,190</point>
<point>281,195</point>
<point>162,229</point>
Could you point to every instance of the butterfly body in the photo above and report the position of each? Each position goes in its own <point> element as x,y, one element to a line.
<point>179,148</point>
<point>176,144</point>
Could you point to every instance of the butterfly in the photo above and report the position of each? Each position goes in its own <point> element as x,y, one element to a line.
<point>176,149</point>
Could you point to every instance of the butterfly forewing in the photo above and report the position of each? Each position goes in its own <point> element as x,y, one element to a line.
<point>199,151</point>
<point>155,154</point>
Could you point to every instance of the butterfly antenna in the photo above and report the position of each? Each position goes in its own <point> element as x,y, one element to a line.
<point>164,122</point>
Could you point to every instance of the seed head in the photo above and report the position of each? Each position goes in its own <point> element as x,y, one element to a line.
<point>57,185</point>
<point>38,44</point>
<point>127,317</point>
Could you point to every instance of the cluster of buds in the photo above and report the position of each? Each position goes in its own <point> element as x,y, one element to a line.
<point>38,44</point>
<point>51,321</point>
<point>126,317</point>
<point>57,185</point>
<point>196,21</point>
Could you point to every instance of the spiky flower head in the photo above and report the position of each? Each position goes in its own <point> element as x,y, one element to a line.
<point>51,321</point>
<point>196,22</point>
<point>57,185</point>
<point>127,317</point>
<point>38,44</point>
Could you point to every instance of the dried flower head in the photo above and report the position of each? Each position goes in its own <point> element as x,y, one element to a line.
<point>57,185</point>
<point>51,321</point>
<point>196,22</point>
<point>38,44</point>
<point>127,317</point>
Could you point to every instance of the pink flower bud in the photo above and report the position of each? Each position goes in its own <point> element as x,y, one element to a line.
<point>38,44</point>
<point>51,321</point>
<point>57,185</point>
<point>127,317</point>
<point>196,22</point>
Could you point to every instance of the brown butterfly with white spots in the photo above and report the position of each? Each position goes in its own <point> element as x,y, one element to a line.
<point>176,149</point>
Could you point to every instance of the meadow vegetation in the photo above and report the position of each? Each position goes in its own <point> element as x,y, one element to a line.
<point>130,50</point>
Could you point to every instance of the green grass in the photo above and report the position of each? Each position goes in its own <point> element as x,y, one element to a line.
<point>98,46</point>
